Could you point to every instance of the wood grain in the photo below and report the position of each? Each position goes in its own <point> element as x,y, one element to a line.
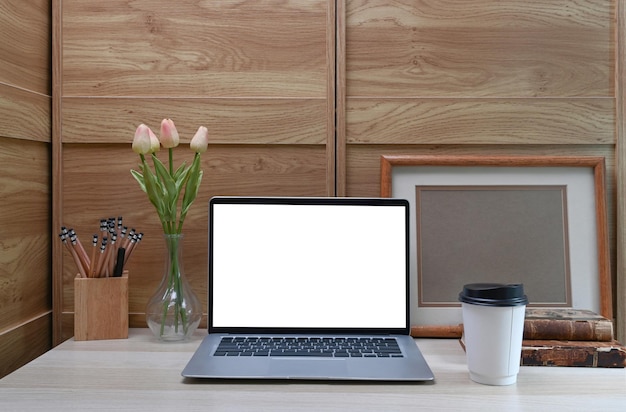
<point>25,261</point>
<point>259,75</point>
<point>56,153</point>
<point>25,241</point>
<point>25,342</point>
<point>477,77</point>
<point>190,48</point>
<point>25,45</point>
<point>480,48</point>
<point>620,154</point>
<point>101,308</point>
<point>480,121</point>
<point>24,114</point>
<point>240,121</point>
<point>453,76</point>
<point>142,372</point>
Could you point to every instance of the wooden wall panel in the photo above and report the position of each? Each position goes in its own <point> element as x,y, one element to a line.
<point>621,171</point>
<point>25,282</point>
<point>258,75</point>
<point>25,259</point>
<point>480,121</point>
<point>484,72</point>
<point>25,44</point>
<point>464,76</point>
<point>478,72</point>
<point>24,114</point>
<point>191,48</point>
<point>475,77</point>
<point>241,121</point>
<point>480,48</point>
<point>25,241</point>
<point>24,343</point>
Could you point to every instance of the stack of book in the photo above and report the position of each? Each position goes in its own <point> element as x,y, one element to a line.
<point>570,337</point>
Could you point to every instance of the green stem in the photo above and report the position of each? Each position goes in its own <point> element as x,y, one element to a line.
<point>171,160</point>
<point>175,285</point>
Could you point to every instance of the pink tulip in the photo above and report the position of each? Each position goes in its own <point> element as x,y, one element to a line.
<point>155,145</point>
<point>141,141</point>
<point>169,134</point>
<point>200,141</point>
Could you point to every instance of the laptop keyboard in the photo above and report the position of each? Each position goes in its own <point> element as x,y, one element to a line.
<point>367,347</point>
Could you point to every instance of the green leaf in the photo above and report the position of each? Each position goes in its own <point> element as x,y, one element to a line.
<point>182,179</point>
<point>139,178</point>
<point>193,185</point>
<point>153,189</point>
<point>179,171</point>
<point>170,192</point>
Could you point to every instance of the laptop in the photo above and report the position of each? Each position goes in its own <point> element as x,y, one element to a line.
<point>308,288</point>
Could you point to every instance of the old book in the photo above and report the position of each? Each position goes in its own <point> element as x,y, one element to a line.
<point>566,324</point>
<point>573,353</point>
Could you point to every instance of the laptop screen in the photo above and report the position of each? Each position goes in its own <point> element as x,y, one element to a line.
<point>308,264</point>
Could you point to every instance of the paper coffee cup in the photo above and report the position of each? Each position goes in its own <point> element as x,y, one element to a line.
<point>493,326</point>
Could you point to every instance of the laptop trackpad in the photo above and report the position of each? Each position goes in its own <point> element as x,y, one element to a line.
<point>308,368</point>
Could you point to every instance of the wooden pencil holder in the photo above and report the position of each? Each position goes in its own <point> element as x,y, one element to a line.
<point>101,308</point>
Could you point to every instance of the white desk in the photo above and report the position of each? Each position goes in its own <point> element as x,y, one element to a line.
<point>140,373</point>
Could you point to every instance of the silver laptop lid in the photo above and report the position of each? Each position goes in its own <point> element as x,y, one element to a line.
<point>294,265</point>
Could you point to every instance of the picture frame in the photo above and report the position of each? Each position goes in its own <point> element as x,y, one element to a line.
<point>585,277</point>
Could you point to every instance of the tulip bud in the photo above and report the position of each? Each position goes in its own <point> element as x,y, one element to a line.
<point>200,140</point>
<point>169,134</point>
<point>155,145</point>
<point>141,141</point>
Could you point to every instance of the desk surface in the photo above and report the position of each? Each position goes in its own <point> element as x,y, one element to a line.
<point>141,373</point>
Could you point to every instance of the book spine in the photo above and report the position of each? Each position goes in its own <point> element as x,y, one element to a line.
<point>550,354</point>
<point>588,330</point>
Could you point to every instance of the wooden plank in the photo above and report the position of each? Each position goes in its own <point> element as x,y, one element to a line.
<point>24,114</point>
<point>620,154</point>
<point>480,48</point>
<point>190,48</point>
<point>25,46</point>
<point>240,121</point>
<point>25,218</point>
<point>481,121</point>
<point>340,100</point>
<point>56,151</point>
<point>20,345</point>
<point>331,108</point>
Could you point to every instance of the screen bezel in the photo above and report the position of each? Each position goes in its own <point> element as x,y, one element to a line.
<point>307,201</point>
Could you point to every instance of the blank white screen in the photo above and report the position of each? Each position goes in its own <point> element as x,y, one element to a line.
<point>309,266</point>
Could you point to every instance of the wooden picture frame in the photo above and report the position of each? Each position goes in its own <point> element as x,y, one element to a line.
<point>584,208</point>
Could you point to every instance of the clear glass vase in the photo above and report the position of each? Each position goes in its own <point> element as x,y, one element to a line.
<point>173,313</point>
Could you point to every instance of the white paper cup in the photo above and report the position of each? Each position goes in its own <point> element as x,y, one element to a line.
<point>493,326</point>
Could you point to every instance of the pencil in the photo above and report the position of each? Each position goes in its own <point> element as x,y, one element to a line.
<point>119,226</point>
<point>129,239</point>
<point>136,239</point>
<point>94,248</point>
<point>101,258</point>
<point>112,254</point>
<point>80,250</point>
<point>81,269</point>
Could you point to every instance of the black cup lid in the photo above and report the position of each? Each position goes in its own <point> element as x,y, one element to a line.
<point>493,294</point>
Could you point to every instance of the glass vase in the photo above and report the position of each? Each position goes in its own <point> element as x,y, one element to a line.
<point>173,313</point>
